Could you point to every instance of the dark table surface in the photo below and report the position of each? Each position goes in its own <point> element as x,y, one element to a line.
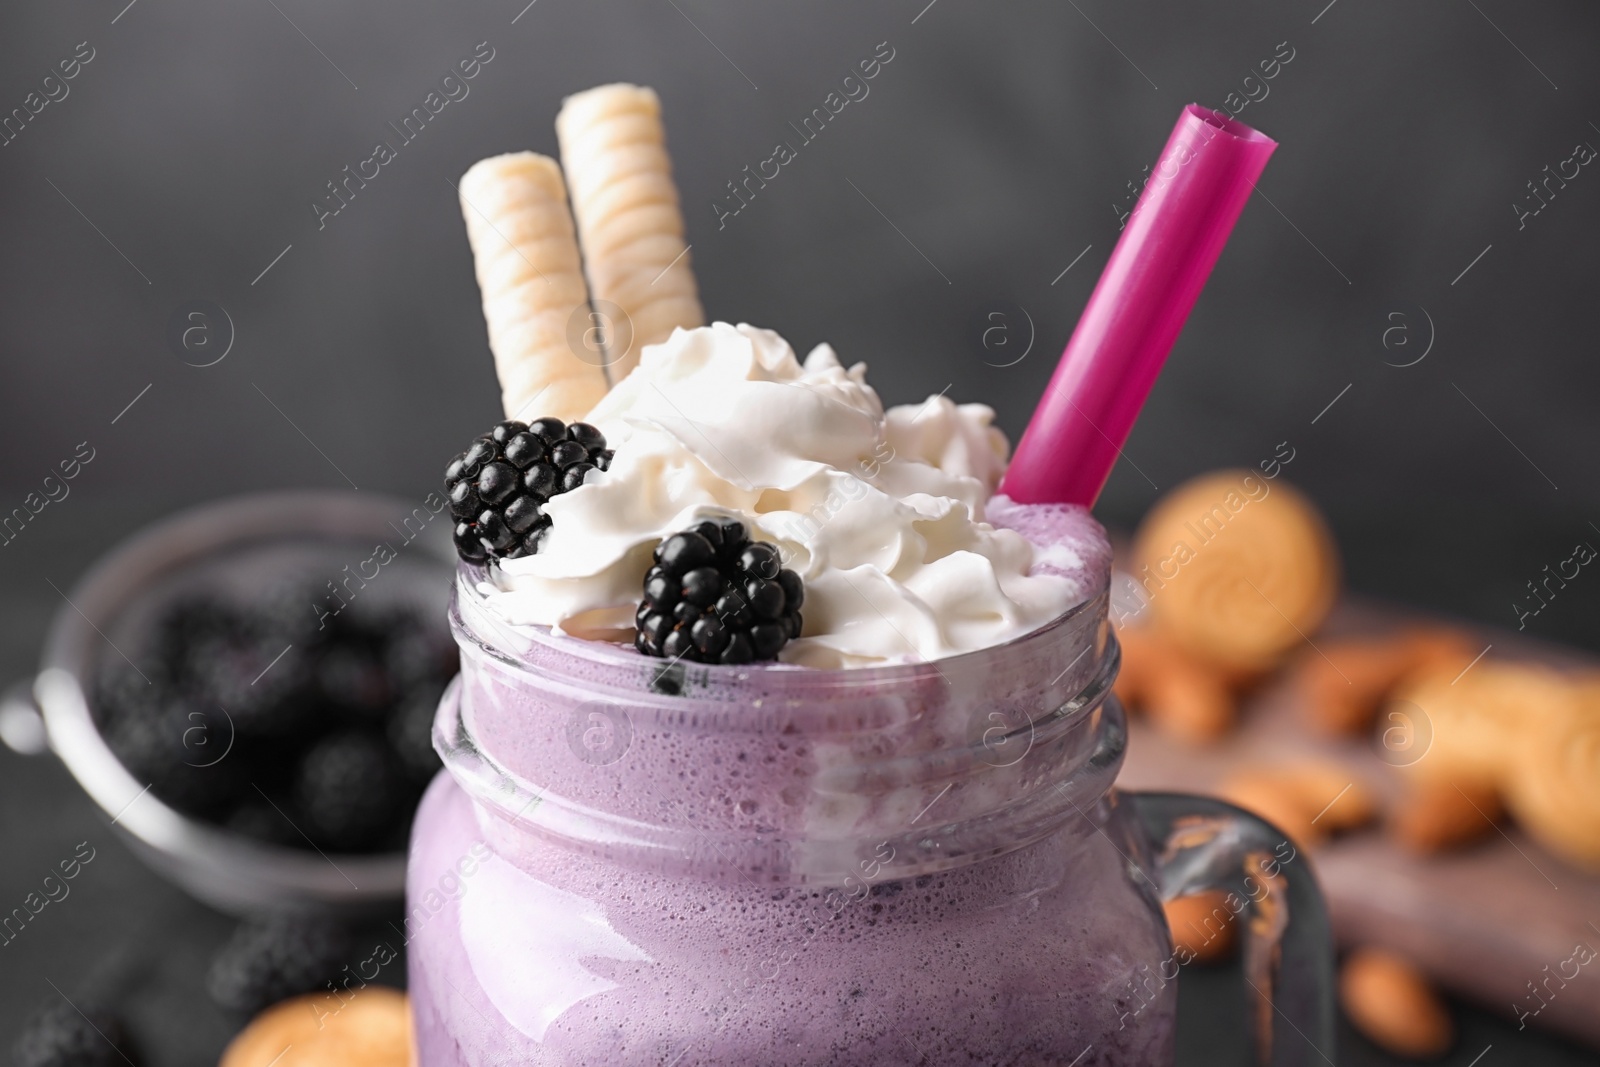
<point>125,934</point>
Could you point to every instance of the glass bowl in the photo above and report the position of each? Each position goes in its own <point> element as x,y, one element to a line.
<point>233,542</point>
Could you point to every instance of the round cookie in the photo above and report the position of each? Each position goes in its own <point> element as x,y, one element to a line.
<point>1476,721</point>
<point>1553,787</point>
<point>369,1028</point>
<point>1238,568</point>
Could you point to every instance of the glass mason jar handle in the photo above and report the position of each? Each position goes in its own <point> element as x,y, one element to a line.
<point>1204,844</point>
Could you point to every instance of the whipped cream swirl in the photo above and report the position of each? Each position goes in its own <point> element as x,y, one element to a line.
<point>881,514</point>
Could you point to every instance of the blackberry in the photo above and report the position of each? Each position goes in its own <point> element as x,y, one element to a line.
<point>171,746</point>
<point>350,792</point>
<point>352,679</point>
<point>61,1035</point>
<point>498,487</point>
<point>260,821</point>
<point>418,651</point>
<point>272,959</point>
<point>715,596</point>
<point>291,613</point>
<point>194,618</point>
<point>410,731</point>
<point>122,691</point>
<point>263,685</point>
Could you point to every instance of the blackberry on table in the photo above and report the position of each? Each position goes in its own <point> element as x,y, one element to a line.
<point>349,792</point>
<point>272,959</point>
<point>61,1035</point>
<point>715,596</point>
<point>498,487</point>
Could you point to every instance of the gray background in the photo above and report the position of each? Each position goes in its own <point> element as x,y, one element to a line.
<point>998,141</point>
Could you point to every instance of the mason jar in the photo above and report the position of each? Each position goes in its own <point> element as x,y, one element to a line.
<point>628,862</point>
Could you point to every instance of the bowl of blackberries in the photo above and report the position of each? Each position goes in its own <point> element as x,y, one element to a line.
<point>248,690</point>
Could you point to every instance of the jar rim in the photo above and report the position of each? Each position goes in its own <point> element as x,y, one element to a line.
<point>948,762</point>
<point>766,693</point>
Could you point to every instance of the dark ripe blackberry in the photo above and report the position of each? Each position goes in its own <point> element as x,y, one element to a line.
<point>523,450</point>
<point>732,610</point>
<point>468,547</point>
<point>177,749</point>
<point>794,593</point>
<point>496,482</point>
<point>73,1034</point>
<point>273,959</point>
<point>410,733</point>
<point>760,559</point>
<point>765,597</point>
<point>702,586</point>
<point>714,596</point>
<point>567,453</point>
<point>590,438</point>
<point>505,431</point>
<point>522,514</point>
<point>709,635</point>
<point>660,589</point>
<point>541,481</point>
<point>260,821</point>
<point>498,487</point>
<point>190,619</point>
<point>464,500</point>
<point>122,692</point>
<point>550,431</point>
<point>573,476</point>
<point>495,532</point>
<point>263,684</point>
<point>683,552</point>
<point>350,792</point>
<point>352,679</point>
<point>677,645</point>
<point>292,613</point>
<point>418,651</point>
<point>767,637</point>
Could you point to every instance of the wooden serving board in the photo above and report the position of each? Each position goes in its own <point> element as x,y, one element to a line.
<point>1494,922</point>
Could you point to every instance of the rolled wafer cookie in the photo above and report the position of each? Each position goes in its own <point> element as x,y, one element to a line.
<point>614,150</point>
<point>526,257</point>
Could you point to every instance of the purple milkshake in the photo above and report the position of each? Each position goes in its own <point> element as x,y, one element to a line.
<point>892,839</point>
<point>780,865</point>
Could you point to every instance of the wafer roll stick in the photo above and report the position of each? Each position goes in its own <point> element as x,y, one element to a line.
<point>614,150</point>
<point>526,257</point>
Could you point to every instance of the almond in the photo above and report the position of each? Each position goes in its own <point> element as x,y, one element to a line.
<point>1202,926</point>
<point>1390,1002</point>
<point>1270,797</point>
<point>1436,815</point>
<point>1343,683</point>
<point>1140,658</point>
<point>1189,701</point>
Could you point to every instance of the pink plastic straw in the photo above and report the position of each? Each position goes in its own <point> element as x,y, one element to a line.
<point>1169,244</point>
